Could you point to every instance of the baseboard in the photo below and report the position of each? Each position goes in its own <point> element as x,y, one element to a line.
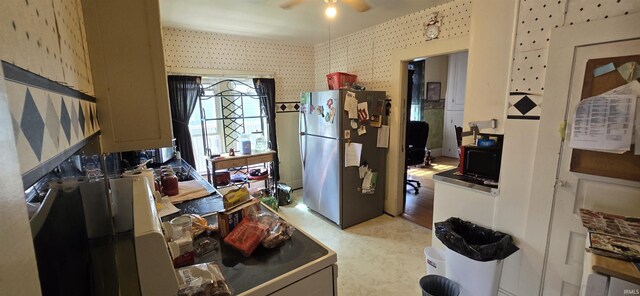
<point>294,184</point>
<point>437,152</point>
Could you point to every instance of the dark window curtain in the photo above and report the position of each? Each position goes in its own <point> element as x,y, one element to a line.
<point>184,92</point>
<point>266,89</point>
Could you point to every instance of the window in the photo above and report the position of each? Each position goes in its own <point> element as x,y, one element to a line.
<point>228,109</point>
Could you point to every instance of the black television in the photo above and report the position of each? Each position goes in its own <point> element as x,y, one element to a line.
<point>482,162</point>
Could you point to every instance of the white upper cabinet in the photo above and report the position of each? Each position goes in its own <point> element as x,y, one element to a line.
<point>127,62</point>
<point>456,81</point>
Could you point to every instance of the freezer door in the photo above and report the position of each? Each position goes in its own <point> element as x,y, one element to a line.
<point>323,114</point>
<point>321,176</point>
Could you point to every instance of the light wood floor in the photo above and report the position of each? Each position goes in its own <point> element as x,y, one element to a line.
<point>419,207</point>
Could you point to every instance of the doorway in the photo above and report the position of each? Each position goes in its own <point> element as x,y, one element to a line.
<point>435,105</point>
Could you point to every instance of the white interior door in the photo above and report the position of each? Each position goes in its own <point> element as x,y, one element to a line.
<point>456,81</point>
<point>575,191</point>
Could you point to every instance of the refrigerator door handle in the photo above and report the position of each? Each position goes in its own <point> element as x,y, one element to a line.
<point>303,147</point>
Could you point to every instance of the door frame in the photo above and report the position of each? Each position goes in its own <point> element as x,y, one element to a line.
<point>394,201</point>
<point>562,46</point>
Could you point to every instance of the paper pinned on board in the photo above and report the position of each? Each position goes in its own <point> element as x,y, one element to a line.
<point>352,153</point>
<point>629,71</point>
<point>604,122</point>
<point>383,137</point>
<point>631,88</point>
<point>604,69</point>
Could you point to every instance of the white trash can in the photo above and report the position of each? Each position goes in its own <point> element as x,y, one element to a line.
<point>476,278</point>
<point>435,261</point>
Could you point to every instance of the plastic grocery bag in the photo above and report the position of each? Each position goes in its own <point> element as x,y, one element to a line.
<point>247,236</point>
<point>474,241</point>
<point>202,280</point>
<point>283,192</point>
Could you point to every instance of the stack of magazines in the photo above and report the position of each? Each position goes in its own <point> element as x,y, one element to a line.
<point>612,235</point>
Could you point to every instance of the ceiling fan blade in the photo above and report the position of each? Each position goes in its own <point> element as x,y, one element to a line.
<point>358,5</point>
<point>290,3</point>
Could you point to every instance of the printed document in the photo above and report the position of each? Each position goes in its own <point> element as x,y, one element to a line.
<point>352,152</point>
<point>604,122</point>
<point>383,137</point>
<point>631,88</point>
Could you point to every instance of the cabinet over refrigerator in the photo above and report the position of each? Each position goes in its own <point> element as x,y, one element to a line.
<point>329,188</point>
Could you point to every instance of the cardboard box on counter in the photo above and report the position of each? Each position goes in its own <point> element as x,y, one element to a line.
<point>229,219</point>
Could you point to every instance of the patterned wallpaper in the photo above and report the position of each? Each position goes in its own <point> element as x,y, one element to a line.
<point>47,38</point>
<point>536,19</point>
<point>368,53</point>
<point>291,64</point>
<point>47,76</point>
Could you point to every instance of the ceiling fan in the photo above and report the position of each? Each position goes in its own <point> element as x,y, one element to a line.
<point>358,5</point>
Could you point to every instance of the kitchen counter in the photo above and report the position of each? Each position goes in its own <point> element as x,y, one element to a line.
<point>201,206</point>
<point>266,271</point>
<point>452,177</point>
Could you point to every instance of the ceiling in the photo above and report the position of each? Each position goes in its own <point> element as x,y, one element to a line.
<point>302,24</point>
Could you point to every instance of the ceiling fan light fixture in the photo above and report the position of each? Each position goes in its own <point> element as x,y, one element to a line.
<point>331,11</point>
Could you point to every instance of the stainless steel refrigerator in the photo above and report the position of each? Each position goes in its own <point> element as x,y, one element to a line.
<point>331,189</point>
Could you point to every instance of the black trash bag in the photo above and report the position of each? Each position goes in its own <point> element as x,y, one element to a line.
<point>283,191</point>
<point>474,241</point>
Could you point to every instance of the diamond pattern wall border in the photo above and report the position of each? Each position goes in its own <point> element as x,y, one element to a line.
<point>48,117</point>
<point>524,106</point>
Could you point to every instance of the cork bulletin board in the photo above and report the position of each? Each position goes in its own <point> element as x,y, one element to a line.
<point>621,166</point>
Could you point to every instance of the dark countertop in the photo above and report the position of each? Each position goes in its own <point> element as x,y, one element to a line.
<point>201,206</point>
<point>264,265</point>
<point>453,177</point>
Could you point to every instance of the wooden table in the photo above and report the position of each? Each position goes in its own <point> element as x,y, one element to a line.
<point>225,161</point>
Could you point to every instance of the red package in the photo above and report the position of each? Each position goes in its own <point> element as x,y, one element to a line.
<point>247,236</point>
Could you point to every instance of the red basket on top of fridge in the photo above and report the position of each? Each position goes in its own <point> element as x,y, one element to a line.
<point>339,80</point>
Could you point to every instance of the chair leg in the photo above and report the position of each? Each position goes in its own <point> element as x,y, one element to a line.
<point>415,181</point>
<point>415,188</point>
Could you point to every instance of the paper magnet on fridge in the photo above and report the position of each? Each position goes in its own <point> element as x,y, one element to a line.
<point>363,111</point>
<point>376,120</point>
<point>354,124</point>
<point>332,114</point>
<point>362,130</point>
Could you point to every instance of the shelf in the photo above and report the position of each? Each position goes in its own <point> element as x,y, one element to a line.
<point>239,184</point>
<point>239,163</point>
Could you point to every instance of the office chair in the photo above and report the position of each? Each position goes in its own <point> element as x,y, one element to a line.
<point>417,134</point>
<point>458,139</point>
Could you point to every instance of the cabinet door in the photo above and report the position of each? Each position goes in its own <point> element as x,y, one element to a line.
<point>456,81</point>
<point>320,283</point>
<point>127,62</point>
